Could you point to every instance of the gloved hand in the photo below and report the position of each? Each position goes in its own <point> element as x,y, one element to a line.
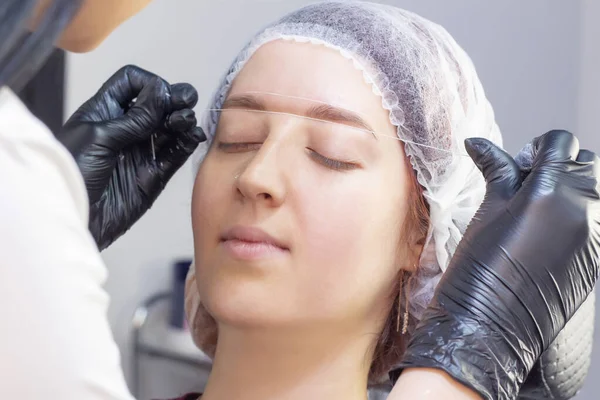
<point>110,139</point>
<point>527,261</point>
<point>561,370</point>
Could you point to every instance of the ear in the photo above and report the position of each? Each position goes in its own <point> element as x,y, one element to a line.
<point>410,254</point>
<point>415,251</point>
<point>414,244</point>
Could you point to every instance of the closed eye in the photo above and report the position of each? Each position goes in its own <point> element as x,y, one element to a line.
<point>337,165</point>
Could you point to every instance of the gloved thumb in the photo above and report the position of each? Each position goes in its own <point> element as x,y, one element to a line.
<point>499,169</point>
<point>145,117</point>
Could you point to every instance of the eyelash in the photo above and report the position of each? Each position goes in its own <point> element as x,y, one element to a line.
<point>330,163</point>
<point>336,165</point>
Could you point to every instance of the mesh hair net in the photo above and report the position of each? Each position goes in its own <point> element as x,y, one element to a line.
<point>433,95</point>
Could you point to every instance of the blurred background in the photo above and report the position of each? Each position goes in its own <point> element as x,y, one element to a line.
<point>538,61</point>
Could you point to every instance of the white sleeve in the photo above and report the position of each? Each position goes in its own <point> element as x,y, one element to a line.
<point>55,340</point>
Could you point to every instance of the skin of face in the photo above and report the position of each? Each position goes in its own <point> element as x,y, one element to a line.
<point>95,20</point>
<point>333,199</point>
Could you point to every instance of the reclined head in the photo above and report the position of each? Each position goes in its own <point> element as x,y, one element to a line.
<point>335,188</point>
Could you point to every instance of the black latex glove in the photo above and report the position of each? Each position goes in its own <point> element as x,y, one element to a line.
<point>110,139</point>
<point>526,263</point>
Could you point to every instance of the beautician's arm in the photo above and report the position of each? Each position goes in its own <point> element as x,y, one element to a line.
<point>55,340</point>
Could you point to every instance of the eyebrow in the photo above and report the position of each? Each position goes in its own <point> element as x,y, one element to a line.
<point>245,102</point>
<point>324,112</point>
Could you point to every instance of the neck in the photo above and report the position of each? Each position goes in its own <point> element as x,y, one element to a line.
<point>260,364</point>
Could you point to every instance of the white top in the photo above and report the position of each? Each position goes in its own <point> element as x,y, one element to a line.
<point>55,339</point>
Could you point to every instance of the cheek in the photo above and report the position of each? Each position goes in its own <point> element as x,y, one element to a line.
<point>349,241</point>
<point>210,202</point>
<point>342,215</point>
<point>332,222</point>
<point>210,197</point>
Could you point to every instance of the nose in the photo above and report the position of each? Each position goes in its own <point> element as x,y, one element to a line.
<point>262,180</point>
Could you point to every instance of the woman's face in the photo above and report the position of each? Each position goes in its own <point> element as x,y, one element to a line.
<point>298,222</point>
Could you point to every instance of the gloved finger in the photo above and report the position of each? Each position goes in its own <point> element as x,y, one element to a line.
<point>126,84</point>
<point>183,95</point>
<point>590,158</point>
<point>144,118</point>
<point>176,152</point>
<point>176,123</point>
<point>161,139</point>
<point>586,156</point>
<point>554,146</point>
<point>499,169</point>
<point>181,121</point>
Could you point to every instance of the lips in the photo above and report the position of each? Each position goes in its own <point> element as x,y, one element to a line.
<point>250,243</point>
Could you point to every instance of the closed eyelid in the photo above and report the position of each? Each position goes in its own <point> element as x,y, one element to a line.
<point>334,164</point>
<point>332,139</point>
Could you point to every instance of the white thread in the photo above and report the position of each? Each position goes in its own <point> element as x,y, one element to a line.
<point>301,98</point>
<point>335,123</point>
<point>153,148</point>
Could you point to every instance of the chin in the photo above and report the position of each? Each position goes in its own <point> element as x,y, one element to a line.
<point>243,302</point>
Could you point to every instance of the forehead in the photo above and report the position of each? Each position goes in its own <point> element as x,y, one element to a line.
<point>312,71</point>
<point>308,71</point>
